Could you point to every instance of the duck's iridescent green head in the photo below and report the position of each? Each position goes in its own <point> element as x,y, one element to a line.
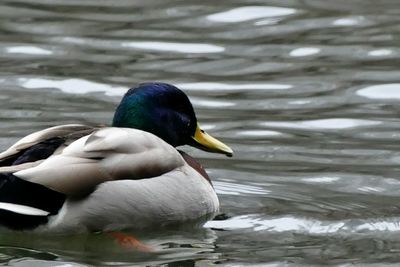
<point>164,110</point>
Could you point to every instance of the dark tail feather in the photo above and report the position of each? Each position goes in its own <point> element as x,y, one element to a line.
<point>28,195</point>
<point>18,221</point>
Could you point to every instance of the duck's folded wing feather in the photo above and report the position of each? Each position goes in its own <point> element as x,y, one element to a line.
<point>40,145</point>
<point>26,205</point>
<point>105,155</point>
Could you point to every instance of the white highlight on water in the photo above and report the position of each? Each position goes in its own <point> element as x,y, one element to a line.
<point>311,226</point>
<point>30,50</point>
<point>304,51</point>
<point>72,86</point>
<point>380,53</point>
<point>241,14</point>
<point>327,124</point>
<point>211,86</point>
<point>389,91</point>
<point>176,47</point>
<point>350,21</point>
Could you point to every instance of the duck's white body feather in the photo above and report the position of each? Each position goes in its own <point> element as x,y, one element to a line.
<point>181,195</point>
<point>118,178</point>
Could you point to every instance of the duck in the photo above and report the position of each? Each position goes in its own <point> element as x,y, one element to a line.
<point>130,175</point>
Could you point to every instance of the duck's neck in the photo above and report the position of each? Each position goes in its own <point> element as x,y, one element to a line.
<point>131,111</point>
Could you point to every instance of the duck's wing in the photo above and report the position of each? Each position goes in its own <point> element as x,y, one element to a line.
<point>23,204</point>
<point>38,146</point>
<point>104,155</point>
<point>29,196</point>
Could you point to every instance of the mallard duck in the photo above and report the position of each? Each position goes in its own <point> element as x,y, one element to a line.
<point>130,175</point>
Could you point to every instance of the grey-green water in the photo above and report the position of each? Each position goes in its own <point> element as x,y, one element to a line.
<point>305,91</point>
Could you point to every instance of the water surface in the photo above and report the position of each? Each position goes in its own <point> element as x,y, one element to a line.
<point>306,92</point>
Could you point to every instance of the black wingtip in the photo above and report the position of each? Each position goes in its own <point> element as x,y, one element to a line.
<point>15,190</point>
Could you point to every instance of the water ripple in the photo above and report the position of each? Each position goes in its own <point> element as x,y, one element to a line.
<point>305,92</point>
<point>226,188</point>
<point>309,226</point>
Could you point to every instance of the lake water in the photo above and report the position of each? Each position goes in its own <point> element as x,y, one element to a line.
<point>306,92</point>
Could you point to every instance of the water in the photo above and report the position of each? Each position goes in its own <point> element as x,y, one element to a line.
<point>306,92</point>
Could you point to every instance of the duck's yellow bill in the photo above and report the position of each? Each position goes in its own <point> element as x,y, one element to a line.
<point>208,143</point>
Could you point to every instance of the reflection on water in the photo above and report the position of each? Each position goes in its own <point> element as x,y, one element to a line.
<point>305,92</point>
